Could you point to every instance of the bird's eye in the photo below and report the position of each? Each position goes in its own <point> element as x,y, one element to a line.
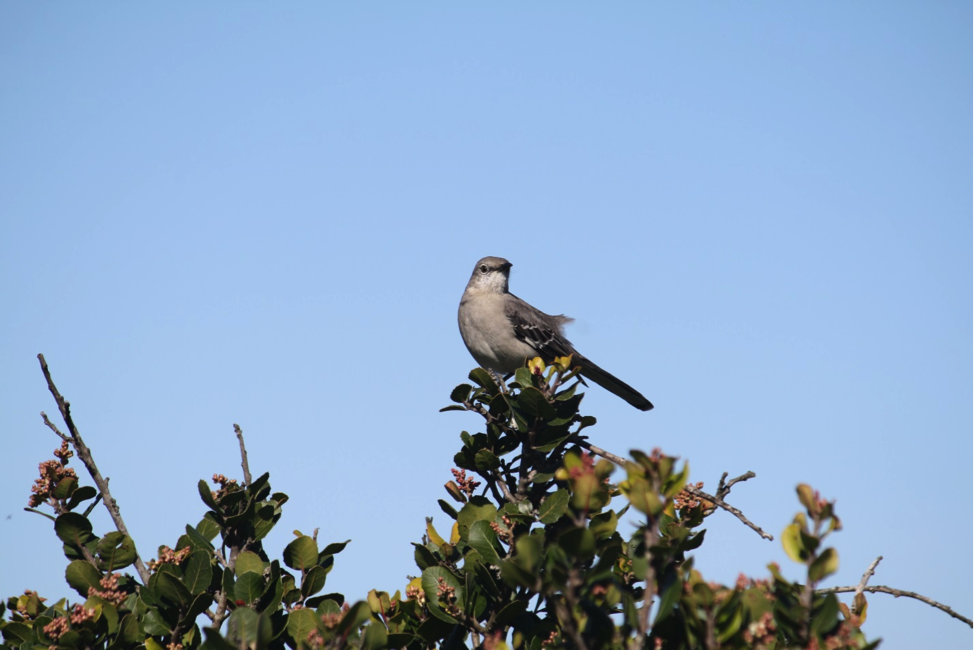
<point>483,268</point>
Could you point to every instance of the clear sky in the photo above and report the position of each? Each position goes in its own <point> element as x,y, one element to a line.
<point>265,213</point>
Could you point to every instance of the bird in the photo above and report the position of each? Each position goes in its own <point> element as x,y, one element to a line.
<point>501,331</point>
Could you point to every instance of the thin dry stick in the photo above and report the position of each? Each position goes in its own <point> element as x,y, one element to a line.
<point>897,593</point>
<point>724,489</point>
<point>870,572</point>
<point>89,462</point>
<point>243,454</point>
<point>731,509</point>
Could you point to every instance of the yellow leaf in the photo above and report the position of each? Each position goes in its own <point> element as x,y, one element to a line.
<point>791,539</point>
<point>536,366</point>
<point>432,534</point>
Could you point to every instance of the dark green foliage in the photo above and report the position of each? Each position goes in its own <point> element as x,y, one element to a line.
<point>534,558</point>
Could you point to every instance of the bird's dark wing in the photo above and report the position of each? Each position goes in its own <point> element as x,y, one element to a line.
<point>538,329</point>
<point>544,333</point>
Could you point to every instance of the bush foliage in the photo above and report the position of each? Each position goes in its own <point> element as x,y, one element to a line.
<point>535,558</point>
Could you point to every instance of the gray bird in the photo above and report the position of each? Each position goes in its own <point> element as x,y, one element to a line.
<point>502,331</point>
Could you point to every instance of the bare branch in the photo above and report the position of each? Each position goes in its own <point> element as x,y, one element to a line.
<point>729,508</point>
<point>870,572</point>
<point>897,593</point>
<point>723,489</point>
<point>53,427</point>
<point>504,489</point>
<point>243,454</point>
<point>89,462</point>
<point>598,451</point>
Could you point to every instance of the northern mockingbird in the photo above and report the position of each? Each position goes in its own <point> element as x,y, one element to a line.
<point>502,331</point>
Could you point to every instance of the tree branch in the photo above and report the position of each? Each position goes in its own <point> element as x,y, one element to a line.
<point>243,454</point>
<point>870,572</point>
<point>722,489</point>
<point>897,593</point>
<point>89,462</point>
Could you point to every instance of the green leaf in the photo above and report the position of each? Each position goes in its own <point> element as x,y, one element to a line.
<point>354,617</point>
<point>486,461</point>
<point>483,539</point>
<point>523,377</point>
<point>477,509</point>
<point>671,588</point>
<point>729,623</point>
<point>807,497</point>
<point>791,540</point>
<point>13,631</point>
<point>604,524</point>
<point>553,507</point>
<point>433,629</point>
<point>374,638</point>
<point>249,587</point>
<point>116,551</point>
<point>208,528</point>
<point>432,579</point>
<point>424,557</point>
<point>826,615</point>
<point>643,498</point>
<point>73,529</point>
<point>314,581</point>
<point>461,393</point>
<point>315,602</point>
<point>486,579</point>
<point>246,628</point>
<point>510,611</point>
<point>578,542</point>
<point>83,493</point>
<point>215,641</point>
<point>128,630</point>
<point>195,540</point>
<point>65,488</point>
<point>533,403</point>
<point>172,590</point>
<point>81,575</point>
<point>332,549</point>
<point>452,407</point>
<point>154,624</point>
<point>197,607</point>
<point>300,623</point>
<point>824,565</point>
<point>199,572</point>
<point>586,421</point>
<point>248,562</point>
<point>301,554</point>
<point>483,379</point>
<point>42,514</point>
<point>207,495</point>
<point>447,508</point>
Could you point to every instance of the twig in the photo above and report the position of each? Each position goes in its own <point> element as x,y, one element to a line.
<point>650,537</point>
<point>897,593</point>
<point>54,428</point>
<point>729,508</point>
<point>870,572</point>
<point>89,462</point>
<point>504,489</point>
<point>243,454</point>
<point>598,451</point>
<point>723,489</point>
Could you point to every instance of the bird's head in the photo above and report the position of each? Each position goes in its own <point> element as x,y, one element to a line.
<point>490,275</point>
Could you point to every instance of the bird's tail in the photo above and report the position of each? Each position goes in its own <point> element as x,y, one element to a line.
<point>611,383</point>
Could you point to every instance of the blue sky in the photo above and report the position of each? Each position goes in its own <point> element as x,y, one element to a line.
<point>759,214</point>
